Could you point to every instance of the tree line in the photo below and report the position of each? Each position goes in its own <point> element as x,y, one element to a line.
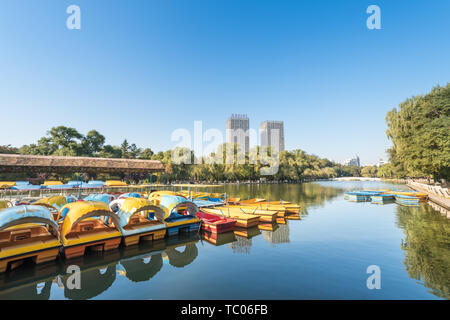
<point>293,166</point>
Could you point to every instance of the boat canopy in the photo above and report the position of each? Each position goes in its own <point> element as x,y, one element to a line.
<point>131,206</point>
<point>130,195</point>
<point>52,183</point>
<point>115,183</point>
<point>54,202</point>
<point>78,211</point>
<point>27,214</point>
<point>103,197</point>
<point>170,204</point>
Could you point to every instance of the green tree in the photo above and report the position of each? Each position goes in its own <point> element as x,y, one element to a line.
<point>419,131</point>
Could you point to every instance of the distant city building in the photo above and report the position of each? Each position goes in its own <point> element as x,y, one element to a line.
<point>272,134</point>
<point>381,162</point>
<point>237,131</point>
<point>352,162</point>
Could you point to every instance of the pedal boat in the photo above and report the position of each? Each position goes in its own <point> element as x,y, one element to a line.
<point>27,232</point>
<point>179,213</point>
<point>243,220</point>
<point>83,227</point>
<point>140,219</point>
<point>215,224</point>
<point>55,203</point>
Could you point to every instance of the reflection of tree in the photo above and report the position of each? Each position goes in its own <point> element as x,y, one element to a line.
<point>139,269</point>
<point>93,282</point>
<point>427,235</point>
<point>280,235</point>
<point>241,245</point>
<point>304,194</point>
<point>181,259</point>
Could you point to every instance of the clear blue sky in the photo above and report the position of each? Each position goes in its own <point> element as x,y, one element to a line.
<point>141,69</point>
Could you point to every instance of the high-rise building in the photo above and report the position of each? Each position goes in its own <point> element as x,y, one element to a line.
<point>272,135</point>
<point>237,131</point>
<point>352,162</point>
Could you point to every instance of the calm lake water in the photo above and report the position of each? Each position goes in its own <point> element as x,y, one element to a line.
<point>324,255</point>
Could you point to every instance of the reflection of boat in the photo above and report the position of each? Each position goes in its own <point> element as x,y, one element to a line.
<point>280,235</point>
<point>179,213</point>
<point>27,232</point>
<point>247,232</point>
<point>139,219</point>
<point>143,267</point>
<point>215,224</point>
<point>94,279</point>
<point>36,289</point>
<point>180,259</point>
<point>218,239</point>
<point>81,228</point>
<point>243,220</point>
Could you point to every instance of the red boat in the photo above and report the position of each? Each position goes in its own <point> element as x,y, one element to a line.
<point>215,224</point>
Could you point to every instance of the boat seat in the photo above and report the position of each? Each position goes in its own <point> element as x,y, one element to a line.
<point>18,235</point>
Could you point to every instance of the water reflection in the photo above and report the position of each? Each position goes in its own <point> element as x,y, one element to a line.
<point>98,270</point>
<point>280,235</point>
<point>426,245</point>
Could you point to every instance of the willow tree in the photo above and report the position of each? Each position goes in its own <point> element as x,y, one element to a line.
<point>419,130</point>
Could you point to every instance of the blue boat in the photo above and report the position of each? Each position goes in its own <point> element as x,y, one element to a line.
<point>25,185</point>
<point>407,200</point>
<point>383,198</point>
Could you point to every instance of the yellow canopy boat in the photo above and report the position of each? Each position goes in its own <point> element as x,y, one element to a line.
<point>244,220</point>
<point>84,227</point>
<point>27,232</point>
<point>139,219</point>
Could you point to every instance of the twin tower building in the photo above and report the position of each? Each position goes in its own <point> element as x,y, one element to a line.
<point>271,133</point>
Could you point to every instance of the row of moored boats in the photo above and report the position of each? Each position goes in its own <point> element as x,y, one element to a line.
<point>40,230</point>
<point>384,196</point>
